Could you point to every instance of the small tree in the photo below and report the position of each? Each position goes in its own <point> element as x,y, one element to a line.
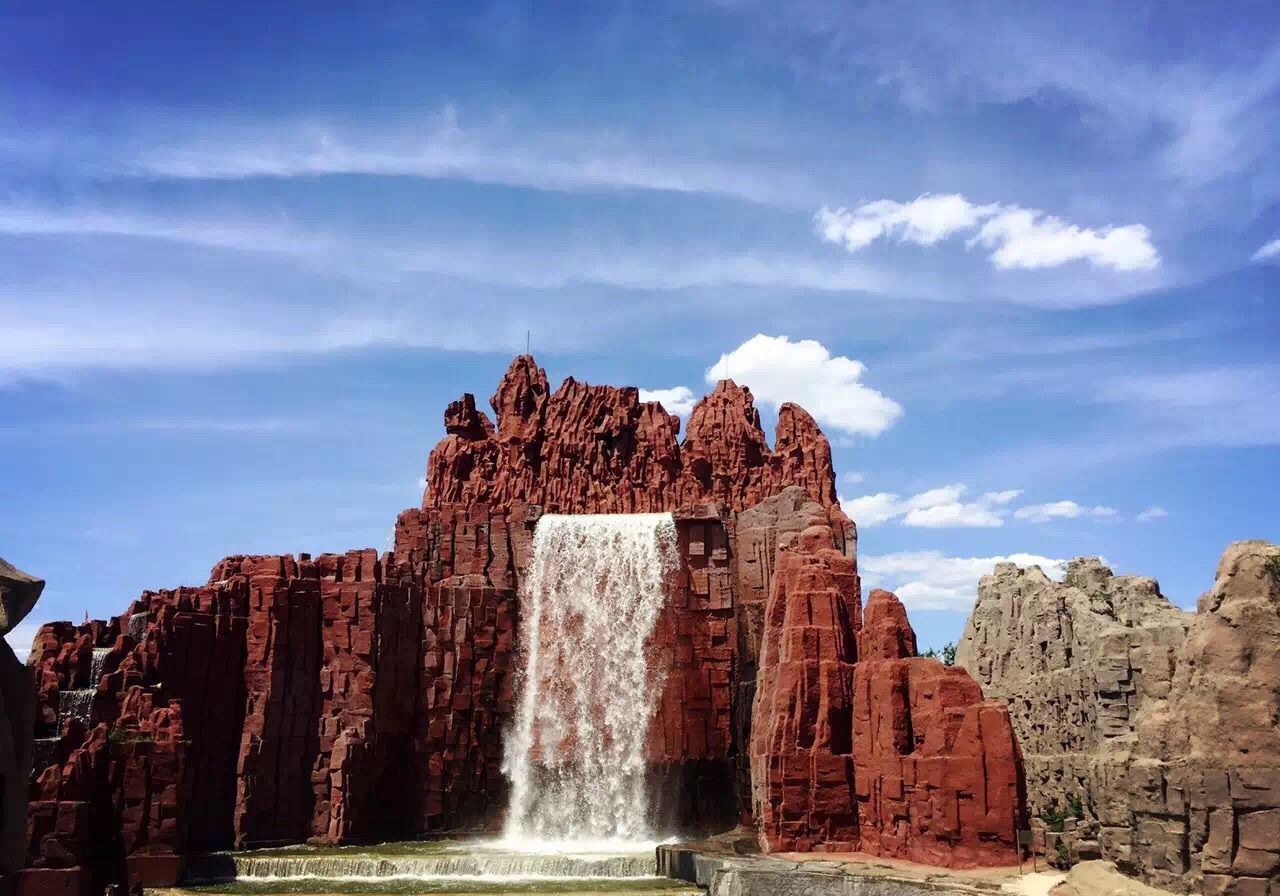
<point>946,656</point>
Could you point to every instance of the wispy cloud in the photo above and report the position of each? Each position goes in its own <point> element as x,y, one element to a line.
<point>930,580</point>
<point>1269,251</point>
<point>1154,512</point>
<point>1017,237</point>
<point>1061,510</point>
<point>508,263</point>
<point>937,508</point>
<point>437,146</point>
<point>1203,117</point>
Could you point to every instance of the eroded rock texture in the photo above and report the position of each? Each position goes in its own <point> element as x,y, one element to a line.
<point>1075,662</point>
<point>599,449</point>
<point>354,697</point>
<point>1163,723</point>
<point>856,743</point>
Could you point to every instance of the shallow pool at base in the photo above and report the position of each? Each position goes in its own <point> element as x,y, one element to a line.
<point>437,867</point>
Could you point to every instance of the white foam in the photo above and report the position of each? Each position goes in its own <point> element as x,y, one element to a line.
<point>576,753</point>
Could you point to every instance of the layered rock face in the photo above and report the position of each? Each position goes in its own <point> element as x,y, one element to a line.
<point>1162,722</point>
<point>858,744</point>
<point>18,595</point>
<point>1075,662</point>
<point>347,698</point>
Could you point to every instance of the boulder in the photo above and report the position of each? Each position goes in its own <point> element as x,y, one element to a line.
<point>18,594</point>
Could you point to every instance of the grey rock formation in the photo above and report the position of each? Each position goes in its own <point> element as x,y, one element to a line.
<point>1075,662</point>
<point>18,594</point>
<point>1165,724</point>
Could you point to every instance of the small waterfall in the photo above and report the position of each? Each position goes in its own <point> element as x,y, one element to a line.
<point>77,704</point>
<point>137,626</point>
<point>575,754</point>
<point>97,664</point>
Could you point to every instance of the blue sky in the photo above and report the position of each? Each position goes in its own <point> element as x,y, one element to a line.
<point>1019,259</point>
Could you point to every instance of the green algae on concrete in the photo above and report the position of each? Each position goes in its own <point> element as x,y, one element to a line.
<point>312,887</point>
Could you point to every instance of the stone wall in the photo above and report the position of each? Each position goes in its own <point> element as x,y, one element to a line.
<point>1161,722</point>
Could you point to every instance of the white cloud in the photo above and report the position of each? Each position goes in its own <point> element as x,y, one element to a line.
<point>778,370</point>
<point>678,400</point>
<point>1154,512</point>
<point>929,580</point>
<point>936,508</point>
<point>1029,239</point>
<point>1060,510</point>
<point>851,477</point>
<point>1268,252</point>
<point>1018,237</point>
<point>20,638</point>
<point>872,510</point>
<point>924,221</point>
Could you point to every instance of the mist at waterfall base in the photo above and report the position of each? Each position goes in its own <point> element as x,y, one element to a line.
<point>578,817</point>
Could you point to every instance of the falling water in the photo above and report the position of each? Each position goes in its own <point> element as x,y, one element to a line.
<point>97,665</point>
<point>137,626</point>
<point>76,704</point>
<point>575,755</point>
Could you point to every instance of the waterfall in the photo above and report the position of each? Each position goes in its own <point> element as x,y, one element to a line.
<point>97,664</point>
<point>137,626</point>
<point>76,704</point>
<point>588,604</point>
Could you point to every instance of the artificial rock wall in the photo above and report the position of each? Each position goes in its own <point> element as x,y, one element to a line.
<point>1163,723</point>
<point>347,698</point>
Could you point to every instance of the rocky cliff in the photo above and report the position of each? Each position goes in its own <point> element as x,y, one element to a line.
<point>18,595</point>
<point>354,697</point>
<point>858,744</point>
<point>1162,723</point>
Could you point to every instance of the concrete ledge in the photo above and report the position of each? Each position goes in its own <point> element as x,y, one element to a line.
<point>759,881</point>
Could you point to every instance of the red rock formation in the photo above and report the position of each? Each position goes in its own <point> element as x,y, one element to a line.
<point>599,449</point>
<point>859,745</point>
<point>351,697</point>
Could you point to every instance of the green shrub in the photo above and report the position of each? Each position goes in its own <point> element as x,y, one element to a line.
<point>1273,567</point>
<point>1076,806</point>
<point>1055,821</point>
<point>1063,854</point>
<point>129,736</point>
